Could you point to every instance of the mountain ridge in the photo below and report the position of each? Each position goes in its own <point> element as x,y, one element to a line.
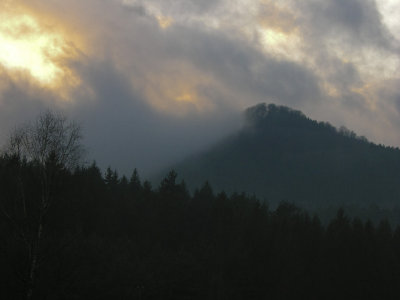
<point>282,155</point>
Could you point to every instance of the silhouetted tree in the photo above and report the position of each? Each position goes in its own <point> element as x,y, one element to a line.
<point>135,182</point>
<point>111,178</point>
<point>48,146</point>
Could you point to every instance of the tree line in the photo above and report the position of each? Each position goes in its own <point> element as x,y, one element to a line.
<point>103,236</point>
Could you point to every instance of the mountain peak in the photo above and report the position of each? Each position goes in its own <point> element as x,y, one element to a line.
<point>265,114</point>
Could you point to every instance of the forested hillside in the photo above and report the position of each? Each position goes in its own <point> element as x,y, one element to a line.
<point>282,155</point>
<point>106,237</point>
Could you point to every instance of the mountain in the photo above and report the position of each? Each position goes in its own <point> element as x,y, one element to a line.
<point>281,155</point>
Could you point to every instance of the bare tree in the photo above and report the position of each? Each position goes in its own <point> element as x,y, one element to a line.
<point>50,137</point>
<point>50,144</point>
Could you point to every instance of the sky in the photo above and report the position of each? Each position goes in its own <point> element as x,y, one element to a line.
<point>154,81</point>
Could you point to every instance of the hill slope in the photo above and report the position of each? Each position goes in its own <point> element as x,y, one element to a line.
<point>282,155</point>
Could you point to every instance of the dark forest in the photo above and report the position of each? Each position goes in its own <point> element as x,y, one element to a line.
<point>70,232</point>
<point>113,238</point>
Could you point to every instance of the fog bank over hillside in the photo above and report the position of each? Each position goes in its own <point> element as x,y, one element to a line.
<point>282,155</point>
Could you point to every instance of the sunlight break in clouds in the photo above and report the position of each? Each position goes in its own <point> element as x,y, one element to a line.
<point>390,10</point>
<point>28,45</point>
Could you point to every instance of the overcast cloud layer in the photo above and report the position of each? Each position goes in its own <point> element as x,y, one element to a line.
<point>156,80</point>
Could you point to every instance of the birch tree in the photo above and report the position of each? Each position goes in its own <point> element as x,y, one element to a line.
<point>50,145</point>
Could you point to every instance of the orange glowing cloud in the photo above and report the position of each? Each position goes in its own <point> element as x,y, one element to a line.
<point>164,22</point>
<point>37,48</point>
<point>278,31</point>
<point>276,17</point>
<point>179,92</point>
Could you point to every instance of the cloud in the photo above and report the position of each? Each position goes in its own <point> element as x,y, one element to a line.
<point>159,80</point>
<point>125,131</point>
<point>176,6</point>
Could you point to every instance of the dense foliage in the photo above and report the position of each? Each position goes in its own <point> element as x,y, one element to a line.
<point>107,237</point>
<point>281,155</point>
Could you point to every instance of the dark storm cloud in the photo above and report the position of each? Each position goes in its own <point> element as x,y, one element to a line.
<point>358,21</point>
<point>137,9</point>
<point>177,6</point>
